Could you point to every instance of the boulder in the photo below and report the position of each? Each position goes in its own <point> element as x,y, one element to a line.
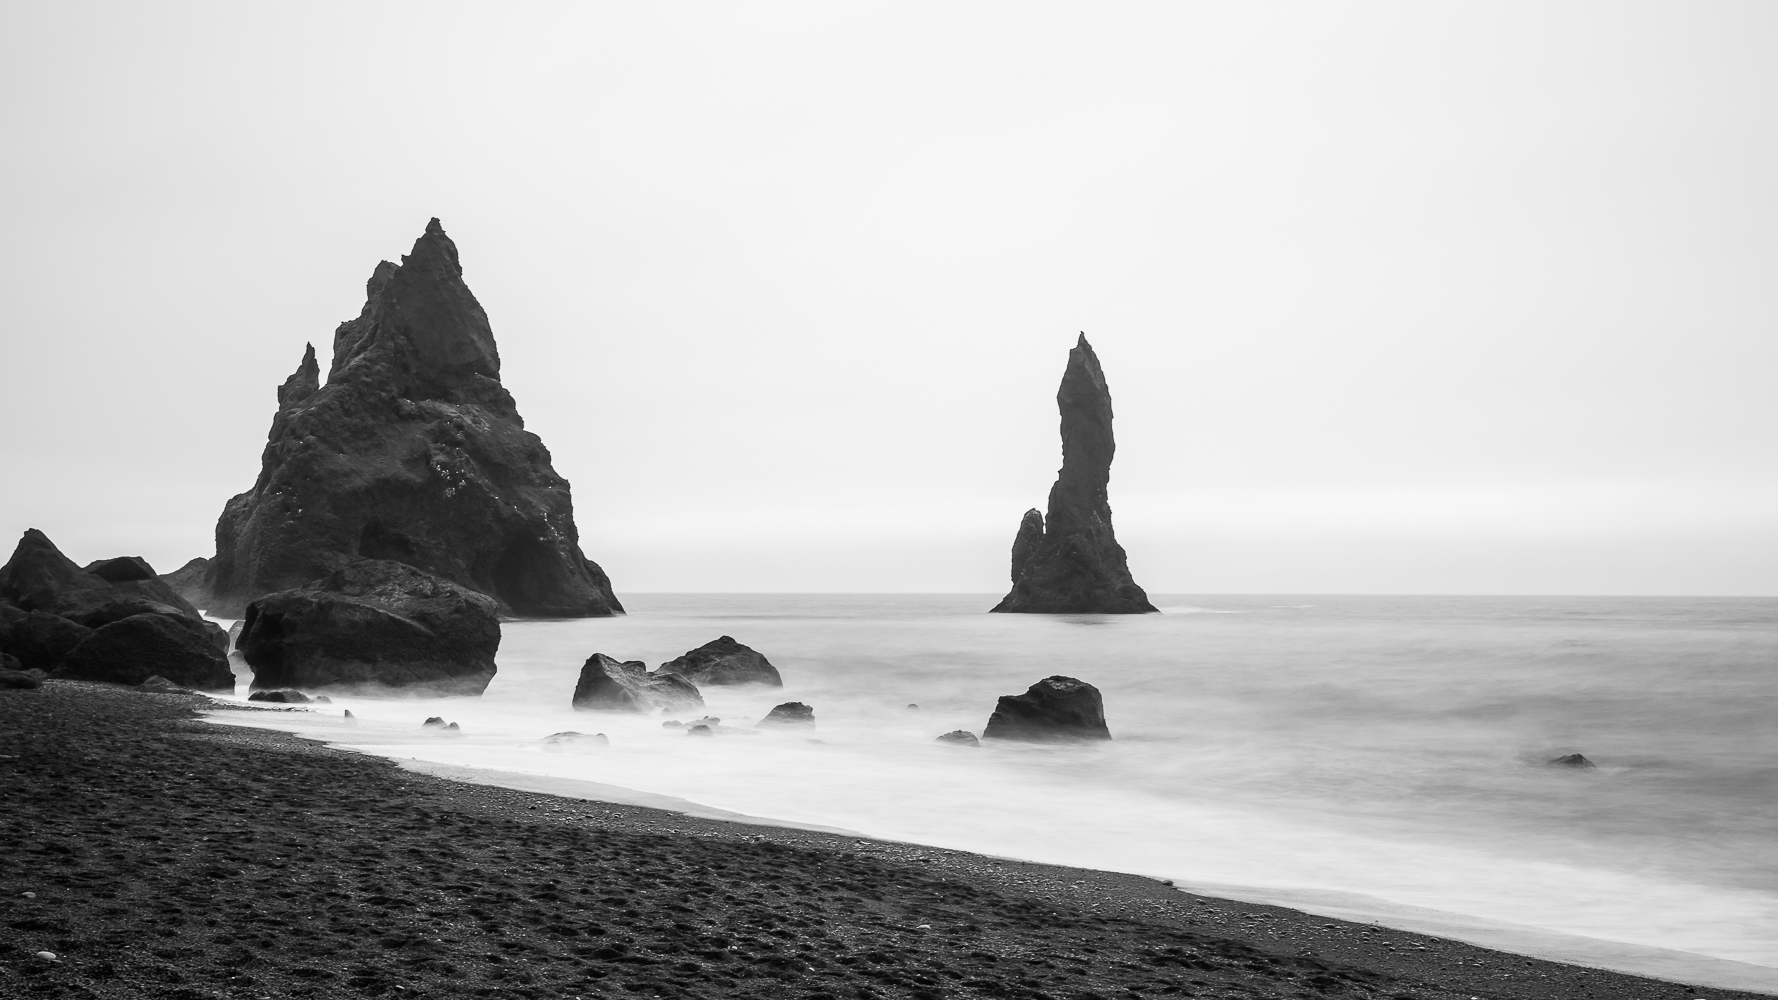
<point>960,737</point>
<point>41,639</point>
<point>39,577</point>
<point>791,713</point>
<point>283,697</point>
<point>1071,563</point>
<point>433,722</point>
<point>141,646</point>
<point>724,661</point>
<point>611,685</point>
<point>11,679</point>
<point>699,730</point>
<point>11,662</point>
<point>411,451</point>
<point>1055,708</point>
<point>558,742</point>
<point>1570,760</point>
<point>188,581</point>
<point>374,624</point>
<point>161,685</point>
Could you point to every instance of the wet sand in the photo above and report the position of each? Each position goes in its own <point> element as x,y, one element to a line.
<point>169,857</point>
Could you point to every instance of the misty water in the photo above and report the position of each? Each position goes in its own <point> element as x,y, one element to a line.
<point>1366,756</point>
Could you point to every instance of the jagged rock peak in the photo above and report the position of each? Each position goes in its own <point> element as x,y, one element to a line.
<point>1070,562</point>
<point>422,321</point>
<point>303,382</point>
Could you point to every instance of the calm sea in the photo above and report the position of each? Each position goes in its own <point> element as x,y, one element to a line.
<point>1376,757</point>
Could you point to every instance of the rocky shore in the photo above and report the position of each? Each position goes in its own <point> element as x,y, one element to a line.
<point>153,854</point>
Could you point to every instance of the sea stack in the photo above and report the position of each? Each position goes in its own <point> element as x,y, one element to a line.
<point>412,451</point>
<point>1071,563</point>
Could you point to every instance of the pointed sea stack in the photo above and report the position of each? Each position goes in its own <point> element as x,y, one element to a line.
<point>1072,563</point>
<point>412,452</point>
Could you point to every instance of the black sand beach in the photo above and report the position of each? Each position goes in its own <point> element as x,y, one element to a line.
<point>156,855</point>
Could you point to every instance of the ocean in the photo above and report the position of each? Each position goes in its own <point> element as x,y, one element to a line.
<point>1375,758</point>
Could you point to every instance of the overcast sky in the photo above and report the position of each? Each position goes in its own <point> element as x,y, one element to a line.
<point>1450,298</point>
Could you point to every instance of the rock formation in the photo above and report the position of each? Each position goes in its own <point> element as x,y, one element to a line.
<point>1071,563</point>
<point>558,742</point>
<point>611,685</point>
<point>1055,708</point>
<point>13,678</point>
<point>960,737</point>
<point>724,661</point>
<point>373,623</point>
<point>412,451</point>
<point>39,577</point>
<point>40,640</point>
<point>791,713</point>
<point>136,648</point>
<point>1570,760</point>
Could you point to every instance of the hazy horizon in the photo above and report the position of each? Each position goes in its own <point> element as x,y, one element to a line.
<point>1392,299</point>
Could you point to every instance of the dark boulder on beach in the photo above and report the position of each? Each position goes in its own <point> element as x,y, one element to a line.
<point>160,685</point>
<point>141,646</point>
<point>1570,760</point>
<point>40,640</point>
<point>611,685</point>
<point>373,624</point>
<point>281,697</point>
<point>39,577</point>
<point>724,661</point>
<point>412,451</point>
<point>791,713</point>
<point>960,737</point>
<point>1071,563</point>
<point>12,678</point>
<point>1055,708</point>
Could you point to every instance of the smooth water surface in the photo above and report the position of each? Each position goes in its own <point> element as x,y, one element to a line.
<point>1392,748</point>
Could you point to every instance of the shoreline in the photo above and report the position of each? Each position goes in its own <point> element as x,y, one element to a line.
<point>311,870</point>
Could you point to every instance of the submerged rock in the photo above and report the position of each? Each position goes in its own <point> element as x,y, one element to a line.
<point>412,451</point>
<point>791,713</point>
<point>1570,760</point>
<point>612,685</point>
<point>141,646</point>
<point>724,661</point>
<point>373,623</point>
<point>1071,563</point>
<point>558,742</point>
<point>433,722</point>
<point>699,730</point>
<point>961,737</point>
<point>1055,708</point>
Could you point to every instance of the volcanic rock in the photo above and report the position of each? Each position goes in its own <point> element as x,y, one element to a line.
<point>1071,563</point>
<point>376,624</point>
<point>42,639</point>
<point>39,577</point>
<point>611,685</point>
<point>961,737</point>
<point>139,647</point>
<point>412,451</point>
<point>558,742</point>
<point>1055,708</point>
<point>724,661</point>
<point>281,697</point>
<point>1570,760</point>
<point>15,679</point>
<point>791,713</point>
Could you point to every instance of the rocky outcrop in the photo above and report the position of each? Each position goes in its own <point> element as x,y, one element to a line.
<point>1055,708</point>
<point>134,649</point>
<point>412,451</point>
<point>40,640</point>
<point>373,624</point>
<point>1570,760</point>
<point>560,742</point>
<point>281,697</point>
<point>13,678</point>
<point>960,737</point>
<point>1070,562</point>
<point>39,577</point>
<point>724,661</point>
<point>611,685</point>
<point>791,713</point>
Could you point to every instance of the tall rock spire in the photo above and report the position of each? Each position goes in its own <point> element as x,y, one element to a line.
<point>1071,562</point>
<point>413,452</point>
